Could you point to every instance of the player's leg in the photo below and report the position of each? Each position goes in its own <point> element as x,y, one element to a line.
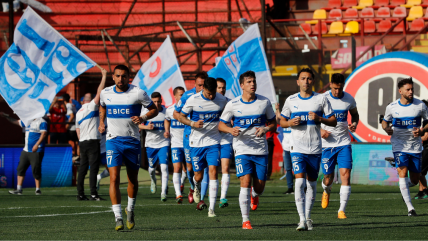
<point>299,167</point>
<point>94,162</point>
<point>163,162</point>
<point>328,164</point>
<point>289,172</point>
<point>244,170</point>
<point>423,191</point>
<point>104,173</point>
<point>23,165</point>
<point>204,184</point>
<point>189,170</point>
<point>260,175</point>
<point>177,160</point>
<point>197,155</point>
<point>114,163</point>
<point>402,161</point>
<point>152,158</point>
<point>183,173</point>
<point>213,159</point>
<point>312,170</point>
<point>83,170</point>
<point>344,161</point>
<point>225,156</point>
<point>36,167</point>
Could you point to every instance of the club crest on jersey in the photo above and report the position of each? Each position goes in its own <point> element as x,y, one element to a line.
<point>174,151</point>
<point>295,158</point>
<point>325,160</point>
<point>195,159</point>
<point>237,161</point>
<point>374,87</point>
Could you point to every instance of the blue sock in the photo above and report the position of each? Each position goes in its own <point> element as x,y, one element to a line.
<point>205,182</point>
<point>190,178</point>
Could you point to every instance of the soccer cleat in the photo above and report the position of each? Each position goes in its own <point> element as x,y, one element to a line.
<point>119,224</point>
<point>179,199</point>
<point>153,187</point>
<point>421,195</point>
<point>197,195</point>
<point>341,215</point>
<point>181,188</point>
<point>130,223</point>
<point>98,182</point>
<point>38,192</point>
<point>391,161</point>
<point>16,192</point>
<point>211,214</point>
<point>163,197</point>
<point>309,225</point>
<point>201,205</point>
<point>190,196</point>
<point>246,225</point>
<point>223,203</point>
<point>325,199</point>
<point>412,213</point>
<point>289,191</point>
<point>96,198</point>
<point>82,198</point>
<point>302,226</point>
<point>254,203</point>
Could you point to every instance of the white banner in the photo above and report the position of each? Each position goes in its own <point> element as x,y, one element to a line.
<point>161,73</point>
<point>37,66</point>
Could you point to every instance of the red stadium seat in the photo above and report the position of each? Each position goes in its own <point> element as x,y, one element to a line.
<point>417,25</point>
<point>426,14</point>
<point>399,12</point>
<point>399,27</point>
<point>349,4</point>
<point>306,27</point>
<point>396,3</point>
<point>424,3</point>
<point>381,3</point>
<point>367,13</point>
<point>369,26</point>
<point>383,12</point>
<point>323,28</point>
<point>351,13</point>
<point>335,14</point>
<point>384,25</point>
<point>333,4</point>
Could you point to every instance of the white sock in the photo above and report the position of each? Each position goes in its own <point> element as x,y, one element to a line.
<point>299,197</point>
<point>404,188</point>
<point>311,193</point>
<point>176,178</point>
<point>225,179</point>
<point>345,192</point>
<point>183,176</point>
<point>244,203</point>
<point>19,187</point>
<point>117,210</point>
<point>103,174</point>
<point>37,189</point>
<point>327,189</point>
<point>152,174</point>
<point>164,171</point>
<point>131,203</point>
<point>254,194</point>
<point>213,193</point>
<point>197,184</point>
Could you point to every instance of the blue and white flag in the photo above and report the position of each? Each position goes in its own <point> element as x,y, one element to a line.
<point>37,66</point>
<point>245,53</point>
<point>161,73</point>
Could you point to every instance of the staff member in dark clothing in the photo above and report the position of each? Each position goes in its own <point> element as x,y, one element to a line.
<point>423,191</point>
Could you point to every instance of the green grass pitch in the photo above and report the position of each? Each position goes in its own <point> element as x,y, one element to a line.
<point>374,212</point>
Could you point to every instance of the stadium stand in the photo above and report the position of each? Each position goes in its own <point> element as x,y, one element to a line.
<point>364,3</point>
<point>415,12</point>
<point>332,4</point>
<point>351,13</point>
<point>352,27</point>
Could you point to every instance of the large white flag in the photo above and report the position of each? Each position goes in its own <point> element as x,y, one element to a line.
<point>245,53</point>
<point>37,66</point>
<point>161,73</point>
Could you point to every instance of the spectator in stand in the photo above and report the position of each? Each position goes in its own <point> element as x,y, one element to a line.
<point>71,128</point>
<point>57,130</point>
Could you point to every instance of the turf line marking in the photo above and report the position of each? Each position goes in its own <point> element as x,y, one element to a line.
<point>59,214</point>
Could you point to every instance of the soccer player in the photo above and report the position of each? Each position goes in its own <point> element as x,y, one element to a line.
<point>87,122</point>
<point>253,117</point>
<point>174,130</point>
<point>304,112</point>
<point>71,128</point>
<point>204,109</point>
<point>199,85</point>
<point>157,145</point>
<point>405,115</point>
<point>121,104</point>
<point>226,151</point>
<point>336,143</point>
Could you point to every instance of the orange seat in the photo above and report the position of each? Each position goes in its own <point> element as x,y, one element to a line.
<point>323,28</point>
<point>367,13</point>
<point>349,4</point>
<point>399,27</point>
<point>335,14</point>
<point>369,26</point>
<point>306,27</point>
<point>384,25</point>
<point>318,14</point>
<point>417,24</point>
<point>333,4</point>
<point>397,2</point>
<point>399,12</point>
<point>381,3</point>
<point>424,3</point>
<point>383,12</point>
<point>351,13</point>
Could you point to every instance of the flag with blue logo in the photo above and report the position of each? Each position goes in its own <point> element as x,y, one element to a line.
<point>245,53</point>
<point>37,66</point>
<point>161,73</point>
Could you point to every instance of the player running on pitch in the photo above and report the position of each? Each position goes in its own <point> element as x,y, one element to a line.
<point>157,145</point>
<point>303,112</point>
<point>402,121</point>
<point>204,110</point>
<point>174,130</point>
<point>336,143</point>
<point>121,104</point>
<point>250,114</point>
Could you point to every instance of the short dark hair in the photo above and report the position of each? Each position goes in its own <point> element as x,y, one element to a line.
<point>247,74</point>
<point>210,84</point>
<point>66,97</point>
<point>337,78</point>
<point>177,89</point>
<point>406,81</point>
<point>221,80</point>
<point>156,95</point>
<point>203,75</point>
<point>121,67</point>
<point>307,70</point>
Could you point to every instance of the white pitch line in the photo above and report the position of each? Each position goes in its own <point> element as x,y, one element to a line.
<point>58,214</point>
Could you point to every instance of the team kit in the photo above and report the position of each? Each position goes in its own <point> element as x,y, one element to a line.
<point>204,130</point>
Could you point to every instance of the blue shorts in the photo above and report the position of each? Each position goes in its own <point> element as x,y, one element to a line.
<point>125,149</point>
<point>342,156</point>
<point>306,163</point>
<point>177,155</point>
<point>410,160</point>
<point>103,159</point>
<point>187,149</point>
<point>203,157</point>
<point>226,151</point>
<point>157,154</point>
<point>252,164</point>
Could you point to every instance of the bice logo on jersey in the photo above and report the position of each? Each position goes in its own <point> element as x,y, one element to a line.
<point>374,87</point>
<point>116,111</point>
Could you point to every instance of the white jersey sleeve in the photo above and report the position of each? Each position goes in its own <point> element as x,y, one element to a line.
<point>286,113</point>
<point>176,128</point>
<point>155,137</point>
<point>144,98</point>
<point>87,120</point>
<point>226,138</point>
<point>327,109</point>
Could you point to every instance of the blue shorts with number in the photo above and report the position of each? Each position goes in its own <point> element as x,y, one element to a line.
<point>177,155</point>
<point>226,151</point>
<point>410,160</point>
<point>342,156</point>
<point>252,164</point>
<point>306,163</point>
<point>203,157</point>
<point>103,158</point>
<point>187,148</point>
<point>157,154</point>
<point>123,149</point>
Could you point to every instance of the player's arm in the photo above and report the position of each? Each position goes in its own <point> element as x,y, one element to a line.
<point>425,137</point>
<point>286,120</point>
<point>102,126</point>
<point>70,120</point>
<point>387,127</point>
<point>183,119</point>
<point>149,126</point>
<point>325,134</point>
<point>226,118</point>
<point>152,111</point>
<point>330,119</point>
<point>355,118</point>
<point>10,119</point>
<point>53,103</point>
<point>227,129</point>
<point>271,123</point>
<point>101,86</point>
<point>78,133</point>
<point>176,115</point>
<point>167,125</point>
<point>277,113</point>
<point>43,135</point>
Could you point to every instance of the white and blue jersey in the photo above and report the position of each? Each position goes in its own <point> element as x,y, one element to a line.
<point>226,149</point>
<point>71,109</point>
<point>155,137</point>
<point>286,135</point>
<point>226,138</point>
<point>32,134</point>
<point>339,135</point>
<point>176,128</point>
<point>87,120</point>
<point>179,106</point>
